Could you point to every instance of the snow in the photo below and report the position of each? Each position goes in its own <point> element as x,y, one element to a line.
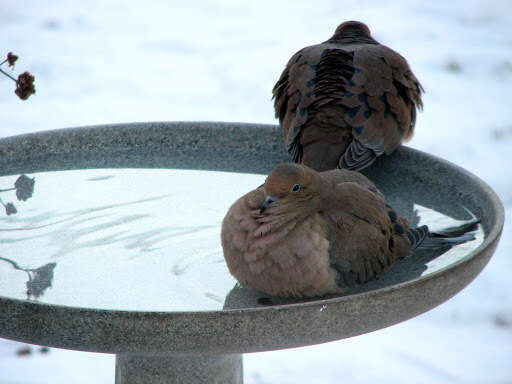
<point>123,61</point>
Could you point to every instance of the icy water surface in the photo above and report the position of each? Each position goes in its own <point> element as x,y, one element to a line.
<point>139,239</point>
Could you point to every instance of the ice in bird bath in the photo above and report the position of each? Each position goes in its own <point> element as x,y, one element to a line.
<point>127,239</point>
<point>140,239</point>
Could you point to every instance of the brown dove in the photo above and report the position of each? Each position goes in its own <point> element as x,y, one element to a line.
<point>305,233</point>
<point>346,101</point>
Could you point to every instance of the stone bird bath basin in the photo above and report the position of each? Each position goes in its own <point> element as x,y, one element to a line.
<point>106,256</point>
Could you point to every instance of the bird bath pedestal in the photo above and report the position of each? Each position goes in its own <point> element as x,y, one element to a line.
<point>94,243</point>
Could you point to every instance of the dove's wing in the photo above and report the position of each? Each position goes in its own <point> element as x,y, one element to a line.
<point>293,95</point>
<point>380,100</point>
<point>366,235</point>
<point>337,176</point>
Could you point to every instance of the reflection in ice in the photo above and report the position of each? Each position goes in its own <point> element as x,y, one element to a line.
<point>143,239</point>
<point>39,279</point>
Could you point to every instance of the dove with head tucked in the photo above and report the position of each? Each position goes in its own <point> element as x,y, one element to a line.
<point>306,233</point>
<point>346,101</point>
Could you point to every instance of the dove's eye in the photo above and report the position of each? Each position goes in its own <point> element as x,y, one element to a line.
<point>295,188</point>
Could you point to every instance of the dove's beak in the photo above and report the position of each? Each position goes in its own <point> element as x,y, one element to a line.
<point>269,200</point>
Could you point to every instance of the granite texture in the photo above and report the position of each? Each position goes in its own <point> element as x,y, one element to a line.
<point>235,147</point>
<point>138,369</point>
<point>405,177</point>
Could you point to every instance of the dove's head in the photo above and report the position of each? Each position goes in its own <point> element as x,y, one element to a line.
<point>353,28</point>
<point>290,183</point>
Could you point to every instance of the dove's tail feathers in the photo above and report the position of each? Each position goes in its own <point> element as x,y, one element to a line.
<point>357,157</point>
<point>417,235</point>
<point>468,226</point>
<point>422,238</point>
<point>436,241</point>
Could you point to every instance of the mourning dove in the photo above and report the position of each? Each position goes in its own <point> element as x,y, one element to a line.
<point>344,102</point>
<point>305,233</point>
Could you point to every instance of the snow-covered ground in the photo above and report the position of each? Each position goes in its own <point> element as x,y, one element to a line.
<point>121,61</point>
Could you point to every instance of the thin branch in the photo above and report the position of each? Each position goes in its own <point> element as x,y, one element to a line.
<point>6,74</point>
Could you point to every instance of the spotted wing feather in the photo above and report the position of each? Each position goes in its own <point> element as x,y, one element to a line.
<point>353,211</point>
<point>293,94</point>
<point>381,99</point>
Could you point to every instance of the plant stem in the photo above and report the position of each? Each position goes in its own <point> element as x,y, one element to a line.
<point>6,74</point>
<point>8,189</point>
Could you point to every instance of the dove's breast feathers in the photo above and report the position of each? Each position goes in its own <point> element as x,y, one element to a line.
<point>293,261</point>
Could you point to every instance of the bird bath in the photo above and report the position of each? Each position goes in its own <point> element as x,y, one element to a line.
<point>118,250</point>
